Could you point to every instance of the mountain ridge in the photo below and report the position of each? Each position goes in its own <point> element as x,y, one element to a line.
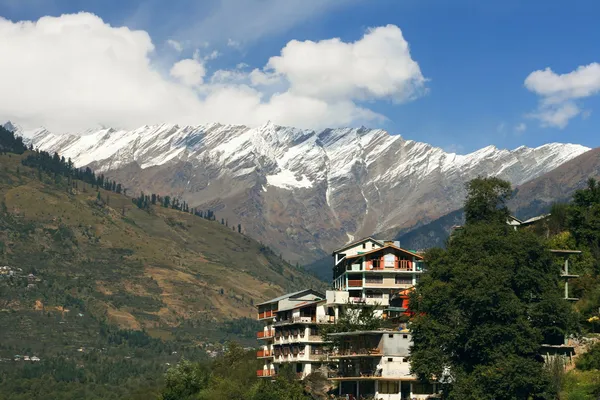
<point>301,191</point>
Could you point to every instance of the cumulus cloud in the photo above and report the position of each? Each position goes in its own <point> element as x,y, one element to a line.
<point>75,71</point>
<point>190,72</point>
<point>559,93</point>
<point>377,66</point>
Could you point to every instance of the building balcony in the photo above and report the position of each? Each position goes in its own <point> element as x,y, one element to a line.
<point>266,314</point>
<point>355,282</point>
<point>296,320</point>
<point>262,373</point>
<point>264,354</point>
<point>265,334</point>
<point>375,352</point>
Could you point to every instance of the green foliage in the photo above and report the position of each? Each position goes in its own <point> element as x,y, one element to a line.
<point>230,376</point>
<point>584,218</point>
<point>185,380</point>
<point>486,304</point>
<point>10,143</point>
<point>590,360</point>
<point>486,200</point>
<point>581,386</point>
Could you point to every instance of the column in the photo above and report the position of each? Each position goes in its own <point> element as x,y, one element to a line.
<point>566,278</point>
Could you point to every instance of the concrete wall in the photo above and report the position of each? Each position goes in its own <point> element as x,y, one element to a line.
<point>396,345</point>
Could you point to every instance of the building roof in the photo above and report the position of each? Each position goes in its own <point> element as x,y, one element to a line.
<point>387,246</point>
<point>352,244</point>
<point>301,305</point>
<point>292,295</point>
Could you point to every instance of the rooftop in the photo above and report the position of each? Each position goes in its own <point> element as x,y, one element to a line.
<point>292,295</point>
<point>387,246</point>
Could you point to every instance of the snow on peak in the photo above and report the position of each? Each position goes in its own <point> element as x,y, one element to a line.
<point>292,158</point>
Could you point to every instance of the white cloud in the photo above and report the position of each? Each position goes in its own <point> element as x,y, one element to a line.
<point>175,45</point>
<point>189,72</point>
<point>377,66</point>
<point>75,71</point>
<point>558,93</point>
<point>521,127</point>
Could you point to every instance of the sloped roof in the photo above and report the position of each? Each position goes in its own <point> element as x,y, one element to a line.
<point>292,295</point>
<point>387,246</point>
<point>352,244</point>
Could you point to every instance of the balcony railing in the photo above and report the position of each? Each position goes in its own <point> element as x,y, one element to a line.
<point>355,282</point>
<point>295,320</point>
<point>357,352</point>
<point>404,265</point>
<point>265,334</point>
<point>266,314</point>
<point>265,372</point>
<point>264,353</point>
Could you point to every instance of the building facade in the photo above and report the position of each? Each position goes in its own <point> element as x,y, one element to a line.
<point>291,334</point>
<point>369,272</point>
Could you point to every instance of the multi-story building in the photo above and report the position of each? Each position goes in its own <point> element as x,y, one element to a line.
<point>372,269</point>
<point>291,334</point>
<point>368,272</point>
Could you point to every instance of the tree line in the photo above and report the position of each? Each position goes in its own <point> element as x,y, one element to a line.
<point>59,167</point>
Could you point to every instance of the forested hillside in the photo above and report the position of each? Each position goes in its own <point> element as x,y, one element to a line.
<point>105,292</point>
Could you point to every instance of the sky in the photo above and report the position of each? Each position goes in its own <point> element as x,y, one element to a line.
<point>459,74</point>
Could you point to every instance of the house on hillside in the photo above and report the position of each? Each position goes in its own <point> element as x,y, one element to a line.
<point>371,273</point>
<point>291,332</point>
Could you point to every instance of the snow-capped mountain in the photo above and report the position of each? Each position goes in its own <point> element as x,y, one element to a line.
<point>302,192</point>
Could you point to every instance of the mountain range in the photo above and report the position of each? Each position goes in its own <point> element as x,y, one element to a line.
<point>302,192</point>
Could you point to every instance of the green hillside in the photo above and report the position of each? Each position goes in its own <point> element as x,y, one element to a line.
<point>98,284</point>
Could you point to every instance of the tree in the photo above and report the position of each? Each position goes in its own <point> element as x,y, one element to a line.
<point>486,200</point>
<point>583,217</point>
<point>485,305</point>
<point>185,380</point>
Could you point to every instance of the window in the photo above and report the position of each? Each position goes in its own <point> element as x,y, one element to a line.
<point>364,245</point>
<point>404,336</point>
<point>403,280</point>
<point>386,387</point>
<point>374,278</point>
<point>422,388</point>
<point>390,335</point>
<point>372,245</point>
<point>390,359</point>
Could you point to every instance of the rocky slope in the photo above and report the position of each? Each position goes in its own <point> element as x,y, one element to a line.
<point>153,269</point>
<point>533,198</point>
<point>303,192</point>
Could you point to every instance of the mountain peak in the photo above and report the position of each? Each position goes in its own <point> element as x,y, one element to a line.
<point>315,187</point>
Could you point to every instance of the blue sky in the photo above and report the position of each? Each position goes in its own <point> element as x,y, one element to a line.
<point>475,55</point>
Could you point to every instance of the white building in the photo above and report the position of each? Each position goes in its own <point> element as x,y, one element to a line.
<point>367,272</point>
